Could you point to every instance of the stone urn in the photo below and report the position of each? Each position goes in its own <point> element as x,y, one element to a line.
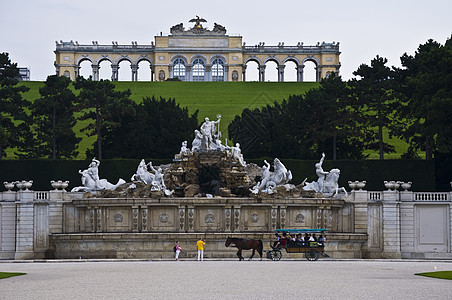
<point>55,184</point>
<point>27,184</point>
<point>406,185</point>
<point>353,184</point>
<point>9,185</point>
<point>391,185</point>
<point>64,185</point>
<point>20,184</point>
<point>361,184</point>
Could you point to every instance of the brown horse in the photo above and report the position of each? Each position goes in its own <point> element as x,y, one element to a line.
<point>244,244</point>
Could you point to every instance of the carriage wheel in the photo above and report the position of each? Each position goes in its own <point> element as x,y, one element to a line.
<point>312,254</point>
<point>276,255</point>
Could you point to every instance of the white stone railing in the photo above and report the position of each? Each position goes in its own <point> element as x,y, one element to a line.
<point>431,196</point>
<point>375,196</point>
<point>41,196</point>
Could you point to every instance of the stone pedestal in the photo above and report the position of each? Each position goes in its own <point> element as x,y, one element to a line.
<point>391,225</point>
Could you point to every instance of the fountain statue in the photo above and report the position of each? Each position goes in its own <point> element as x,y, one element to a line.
<point>91,181</point>
<point>271,180</point>
<point>327,182</point>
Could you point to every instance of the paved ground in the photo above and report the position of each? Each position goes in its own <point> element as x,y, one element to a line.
<point>324,279</point>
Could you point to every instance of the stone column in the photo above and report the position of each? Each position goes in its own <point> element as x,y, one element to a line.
<point>182,219</point>
<point>170,71</point>
<point>135,216</point>
<point>8,225</point>
<point>114,72</point>
<point>152,72</point>
<point>76,71</point>
<point>318,73</point>
<point>282,217</point>
<point>227,219</point>
<point>144,218</point>
<point>281,73</point>
<point>188,74</point>
<point>95,72</point>
<point>262,73</point>
<point>134,72</point>
<point>191,217</point>
<point>236,219</point>
<point>208,73</point>
<point>391,224</point>
<point>300,73</point>
<point>25,225</point>
<point>243,72</point>
<point>226,73</point>
<point>274,215</point>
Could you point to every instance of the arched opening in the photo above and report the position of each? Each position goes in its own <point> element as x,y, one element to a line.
<point>179,69</point>
<point>290,71</point>
<point>252,71</point>
<point>124,71</point>
<point>309,71</point>
<point>85,69</point>
<point>198,70</point>
<point>144,71</point>
<point>105,71</point>
<point>271,71</point>
<point>217,70</point>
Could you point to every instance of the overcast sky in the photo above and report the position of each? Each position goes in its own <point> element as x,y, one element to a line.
<point>29,28</point>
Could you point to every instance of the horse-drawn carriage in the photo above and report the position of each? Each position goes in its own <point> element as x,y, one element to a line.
<point>312,249</point>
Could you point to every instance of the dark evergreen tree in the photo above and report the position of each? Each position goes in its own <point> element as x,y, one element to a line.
<point>11,104</point>
<point>426,84</point>
<point>156,131</point>
<point>102,104</point>
<point>53,120</point>
<point>374,92</point>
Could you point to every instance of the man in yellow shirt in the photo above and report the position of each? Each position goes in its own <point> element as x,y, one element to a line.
<point>200,244</point>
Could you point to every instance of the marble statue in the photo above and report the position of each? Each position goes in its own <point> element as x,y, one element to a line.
<point>143,174</point>
<point>237,153</point>
<point>271,180</point>
<point>184,151</point>
<point>319,184</point>
<point>197,143</point>
<point>327,182</point>
<point>91,181</point>
<point>210,133</point>
<point>158,183</point>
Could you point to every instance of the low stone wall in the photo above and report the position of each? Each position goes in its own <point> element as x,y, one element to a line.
<point>160,245</point>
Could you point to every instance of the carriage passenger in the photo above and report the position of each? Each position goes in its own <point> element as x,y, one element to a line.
<point>277,242</point>
<point>322,240</point>
<point>314,237</point>
<point>284,240</point>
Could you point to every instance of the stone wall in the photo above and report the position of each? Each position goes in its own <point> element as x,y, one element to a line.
<point>366,224</point>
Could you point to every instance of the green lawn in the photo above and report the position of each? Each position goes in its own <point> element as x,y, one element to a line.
<point>8,274</point>
<point>439,274</point>
<point>211,98</point>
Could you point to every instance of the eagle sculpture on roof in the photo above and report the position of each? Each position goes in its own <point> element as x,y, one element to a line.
<point>197,22</point>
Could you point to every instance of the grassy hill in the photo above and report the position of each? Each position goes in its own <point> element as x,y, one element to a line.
<point>211,98</point>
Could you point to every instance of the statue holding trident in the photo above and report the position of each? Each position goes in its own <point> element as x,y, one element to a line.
<point>208,131</point>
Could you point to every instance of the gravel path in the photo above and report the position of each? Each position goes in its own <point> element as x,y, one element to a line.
<point>212,279</point>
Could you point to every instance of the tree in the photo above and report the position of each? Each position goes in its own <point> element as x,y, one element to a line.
<point>11,104</point>
<point>53,116</point>
<point>426,81</point>
<point>333,120</point>
<point>377,101</point>
<point>303,126</point>
<point>263,132</point>
<point>156,131</point>
<point>101,103</point>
